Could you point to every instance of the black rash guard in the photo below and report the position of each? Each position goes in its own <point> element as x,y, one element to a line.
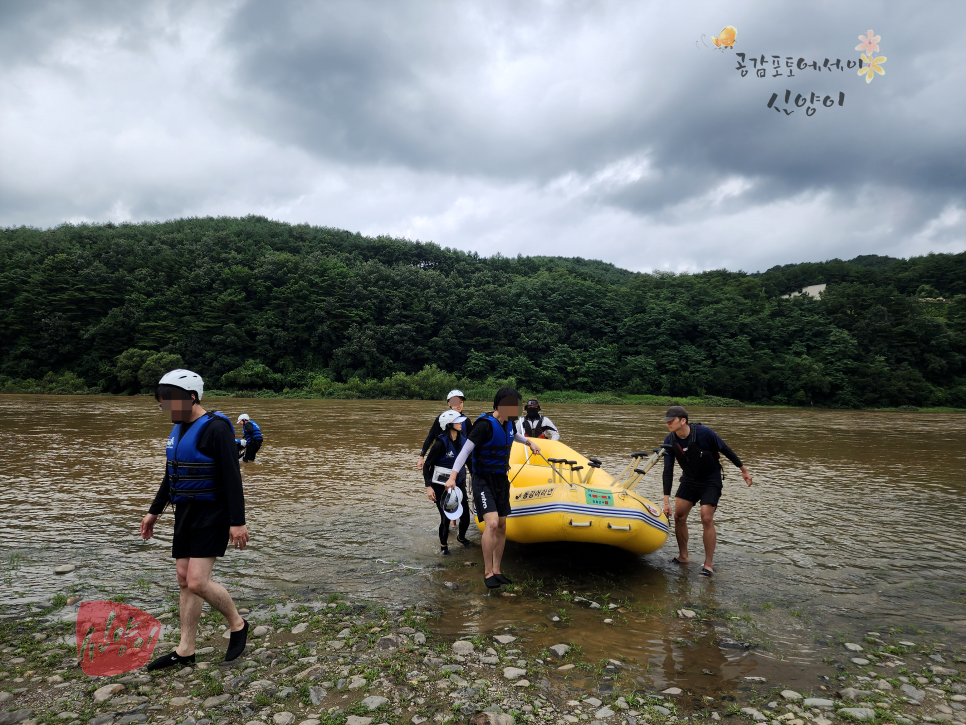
<point>217,441</point>
<point>436,452</point>
<point>706,440</point>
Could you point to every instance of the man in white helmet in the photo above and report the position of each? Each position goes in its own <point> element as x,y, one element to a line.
<point>455,400</point>
<point>202,479</point>
<point>252,435</point>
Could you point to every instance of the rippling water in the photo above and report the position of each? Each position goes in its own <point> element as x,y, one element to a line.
<point>855,521</point>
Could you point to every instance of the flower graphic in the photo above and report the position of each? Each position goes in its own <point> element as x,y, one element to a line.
<point>872,66</point>
<point>869,43</point>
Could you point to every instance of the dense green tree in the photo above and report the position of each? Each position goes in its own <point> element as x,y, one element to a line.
<point>254,304</point>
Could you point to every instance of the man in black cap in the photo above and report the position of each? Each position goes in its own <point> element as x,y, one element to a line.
<point>697,449</point>
<point>535,424</point>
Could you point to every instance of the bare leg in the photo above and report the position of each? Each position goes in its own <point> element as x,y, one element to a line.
<point>500,544</point>
<point>710,535</point>
<point>189,607</point>
<point>200,584</point>
<point>488,541</point>
<point>682,508</point>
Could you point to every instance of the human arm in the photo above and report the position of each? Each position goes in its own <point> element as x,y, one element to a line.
<point>432,458</point>
<point>550,429</point>
<point>218,442</point>
<point>725,449</point>
<point>434,432</point>
<point>526,441</point>
<point>668,480</point>
<point>479,436</point>
<point>156,508</point>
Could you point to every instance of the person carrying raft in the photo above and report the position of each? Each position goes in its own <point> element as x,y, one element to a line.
<point>535,424</point>
<point>489,442</point>
<point>438,465</point>
<point>455,400</point>
<point>697,449</point>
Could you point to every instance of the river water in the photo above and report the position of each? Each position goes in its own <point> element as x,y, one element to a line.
<point>855,524</point>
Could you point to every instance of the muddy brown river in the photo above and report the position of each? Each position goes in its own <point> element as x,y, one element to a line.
<point>855,524</point>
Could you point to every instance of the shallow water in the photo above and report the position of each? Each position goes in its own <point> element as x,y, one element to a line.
<point>855,523</point>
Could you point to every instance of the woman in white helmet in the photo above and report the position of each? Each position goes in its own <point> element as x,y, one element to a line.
<point>202,480</point>
<point>439,464</point>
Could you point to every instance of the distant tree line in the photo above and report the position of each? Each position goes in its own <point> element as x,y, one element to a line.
<point>257,305</point>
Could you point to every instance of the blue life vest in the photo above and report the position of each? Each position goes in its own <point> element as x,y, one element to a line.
<point>191,475</point>
<point>494,457</point>
<point>254,434</point>
<point>451,452</point>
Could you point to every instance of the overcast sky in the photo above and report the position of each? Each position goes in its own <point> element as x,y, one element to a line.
<point>606,130</point>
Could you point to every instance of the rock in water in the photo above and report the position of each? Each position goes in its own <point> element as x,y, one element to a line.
<point>559,650</point>
<point>791,695</point>
<point>755,714</point>
<point>505,638</point>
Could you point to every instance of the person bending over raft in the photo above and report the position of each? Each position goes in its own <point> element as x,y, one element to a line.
<point>443,453</point>
<point>489,443</point>
<point>535,424</point>
<point>696,449</point>
<point>252,435</point>
<point>455,400</point>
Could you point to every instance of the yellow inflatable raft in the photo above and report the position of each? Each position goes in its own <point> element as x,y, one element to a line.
<point>564,496</point>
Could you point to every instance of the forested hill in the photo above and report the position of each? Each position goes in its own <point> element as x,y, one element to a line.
<point>259,305</point>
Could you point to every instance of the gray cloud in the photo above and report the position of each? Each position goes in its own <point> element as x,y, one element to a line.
<point>593,129</point>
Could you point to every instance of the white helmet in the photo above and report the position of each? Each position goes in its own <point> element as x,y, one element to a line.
<point>184,379</point>
<point>455,394</point>
<point>450,416</point>
<point>243,416</point>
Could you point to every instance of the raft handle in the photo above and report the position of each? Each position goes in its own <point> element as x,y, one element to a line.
<point>583,525</point>
<point>618,528</point>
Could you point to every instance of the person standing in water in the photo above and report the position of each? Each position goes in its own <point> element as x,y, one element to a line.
<point>439,463</point>
<point>489,442</point>
<point>455,400</point>
<point>252,435</point>
<point>535,424</point>
<point>203,481</point>
<point>697,449</point>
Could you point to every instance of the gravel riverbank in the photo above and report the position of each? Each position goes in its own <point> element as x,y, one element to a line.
<point>349,663</point>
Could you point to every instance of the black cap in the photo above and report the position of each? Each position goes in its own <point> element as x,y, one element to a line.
<point>675,411</point>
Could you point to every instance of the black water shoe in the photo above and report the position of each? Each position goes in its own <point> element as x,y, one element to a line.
<point>444,551</point>
<point>170,660</point>
<point>503,579</point>
<point>236,643</point>
<point>492,582</point>
<point>465,542</point>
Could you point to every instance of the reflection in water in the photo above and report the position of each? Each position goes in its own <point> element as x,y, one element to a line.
<point>855,523</point>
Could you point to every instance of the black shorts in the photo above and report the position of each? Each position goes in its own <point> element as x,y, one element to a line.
<point>201,530</point>
<point>707,492</point>
<point>491,494</point>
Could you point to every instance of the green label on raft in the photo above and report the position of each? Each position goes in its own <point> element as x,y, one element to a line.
<point>596,497</point>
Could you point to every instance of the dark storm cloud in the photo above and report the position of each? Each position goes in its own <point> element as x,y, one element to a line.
<point>597,127</point>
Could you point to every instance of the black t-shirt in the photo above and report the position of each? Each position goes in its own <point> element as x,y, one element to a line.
<point>217,441</point>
